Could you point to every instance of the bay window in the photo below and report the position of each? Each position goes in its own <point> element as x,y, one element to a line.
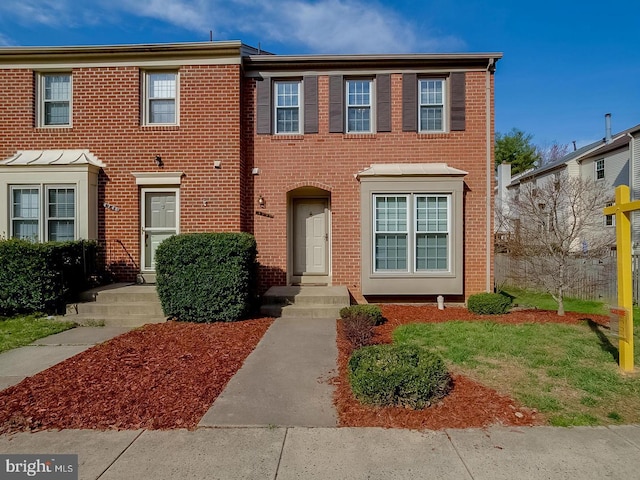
<point>51,217</point>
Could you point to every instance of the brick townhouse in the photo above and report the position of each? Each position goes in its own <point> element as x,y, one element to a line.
<point>370,171</point>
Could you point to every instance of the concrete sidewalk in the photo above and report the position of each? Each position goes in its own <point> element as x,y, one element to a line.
<point>19,363</point>
<point>582,453</point>
<point>285,380</point>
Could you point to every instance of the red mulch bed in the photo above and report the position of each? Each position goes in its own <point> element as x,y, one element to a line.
<point>158,377</point>
<point>469,404</point>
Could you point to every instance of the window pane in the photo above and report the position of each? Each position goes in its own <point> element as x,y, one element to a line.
<point>391,252</point>
<point>287,120</point>
<point>25,203</point>
<point>359,92</point>
<point>57,87</point>
<point>430,118</point>
<point>25,229</point>
<point>391,214</point>
<point>287,94</point>
<point>359,119</point>
<point>162,85</point>
<point>162,111</point>
<point>56,113</point>
<point>61,230</point>
<point>432,251</point>
<point>61,203</point>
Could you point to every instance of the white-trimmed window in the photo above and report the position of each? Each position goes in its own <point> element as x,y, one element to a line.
<point>160,98</point>
<point>25,212</point>
<point>432,232</point>
<point>287,107</point>
<point>54,99</point>
<point>609,220</point>
<point>359,103</point>
<point>61,214</point>
<point>431,97</point>
<point>600,169</point>
<point>411,233</point>
<point>51,217</point>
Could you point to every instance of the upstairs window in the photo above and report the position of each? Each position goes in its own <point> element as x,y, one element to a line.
<point>600,169</point>
<point>54,93</point>
<point>359,105</point>
<point>431,105</point>
<point>287,107</point>
<point>161,98</point>
<point>609,220</point>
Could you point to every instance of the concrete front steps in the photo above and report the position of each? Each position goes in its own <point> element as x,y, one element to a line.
<point>305,301</point>
<point>117,305</point>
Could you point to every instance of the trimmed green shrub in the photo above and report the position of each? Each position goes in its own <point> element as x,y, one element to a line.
<point>359,330</point>
<point>207,277</point>
<point>42,277</point>
<point>371,311</point>
<point>404,375</point>
<point>488,303</point>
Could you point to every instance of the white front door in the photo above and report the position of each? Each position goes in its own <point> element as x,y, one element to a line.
<point>310,237</point>
<point>159,217</point>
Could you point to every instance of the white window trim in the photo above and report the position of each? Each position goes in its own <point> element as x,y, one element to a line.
<point>145,98</point>
<point>45,213</point>
<point>13,188</point>
<point>612,217</point>
<point>40,110</point>
<point>412,234</point>
<point>299,106</point>
<point>445,102</point>
<point>371,106</point>
<point>43,207</point>
<point>595,164</point>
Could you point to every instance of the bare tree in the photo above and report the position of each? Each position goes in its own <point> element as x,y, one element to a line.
<point>551,153</point>
<point>555,224</point>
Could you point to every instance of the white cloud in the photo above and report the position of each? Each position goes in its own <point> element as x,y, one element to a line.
<point>327,26</point>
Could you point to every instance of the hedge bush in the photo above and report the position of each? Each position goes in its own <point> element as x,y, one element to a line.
<point>358,330</point>
<point>403,375</point>
<point>370,311</point>
<point>207,277</point>
<point>42,277</point>
<point>488,303</point>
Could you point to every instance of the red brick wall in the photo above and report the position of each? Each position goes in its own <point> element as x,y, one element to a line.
<point>330,161</point>
<point>106,120</point>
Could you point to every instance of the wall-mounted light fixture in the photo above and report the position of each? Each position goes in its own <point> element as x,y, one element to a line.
<point>159,161</point>
<point>261,202</point>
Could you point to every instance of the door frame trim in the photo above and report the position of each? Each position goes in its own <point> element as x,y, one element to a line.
<point>291,236</point>
<point>143,210</point>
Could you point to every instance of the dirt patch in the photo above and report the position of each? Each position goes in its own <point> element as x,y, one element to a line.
<point>470,404</point>
<point>161,376</point>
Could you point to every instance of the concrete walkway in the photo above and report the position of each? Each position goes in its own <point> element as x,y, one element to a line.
<point>284,382</point>
<point>19,363</point>
<point>582,453</point>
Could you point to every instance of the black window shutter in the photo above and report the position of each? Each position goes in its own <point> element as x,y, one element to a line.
<point>310,85</point>
<point>409,102</point>
<point>336,104</point>
<point>383,102</point>
<point>458,114</point>
<point>263,113</point>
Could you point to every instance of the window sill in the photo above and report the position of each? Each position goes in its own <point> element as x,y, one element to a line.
<point>286,137</point>
<point>53,128</point>
<point>160,128</point>
<point>432,274</point>
<point>357,136</point>
<point>432,135</point>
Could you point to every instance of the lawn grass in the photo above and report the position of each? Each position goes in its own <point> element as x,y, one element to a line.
<point>22,330</point>
<point>568,372</point>
<point>545,301</point>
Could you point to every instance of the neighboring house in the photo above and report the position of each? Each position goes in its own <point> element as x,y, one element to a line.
<point>612,161</point>
<point>370,171</point>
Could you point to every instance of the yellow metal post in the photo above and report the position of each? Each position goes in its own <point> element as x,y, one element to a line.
<point>622,210</point>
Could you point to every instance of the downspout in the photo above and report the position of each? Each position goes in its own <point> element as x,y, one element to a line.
<point>490,70</point>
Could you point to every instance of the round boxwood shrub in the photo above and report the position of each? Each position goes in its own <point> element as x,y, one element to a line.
<point>370,311</point>
<point>488,303</point>
<point>403,375</point>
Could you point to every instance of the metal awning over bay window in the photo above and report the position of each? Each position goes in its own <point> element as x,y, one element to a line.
<point>53,195</point>
<point>412,229</point>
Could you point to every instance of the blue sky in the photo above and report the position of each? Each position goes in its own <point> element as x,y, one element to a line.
<point>566,63</point>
